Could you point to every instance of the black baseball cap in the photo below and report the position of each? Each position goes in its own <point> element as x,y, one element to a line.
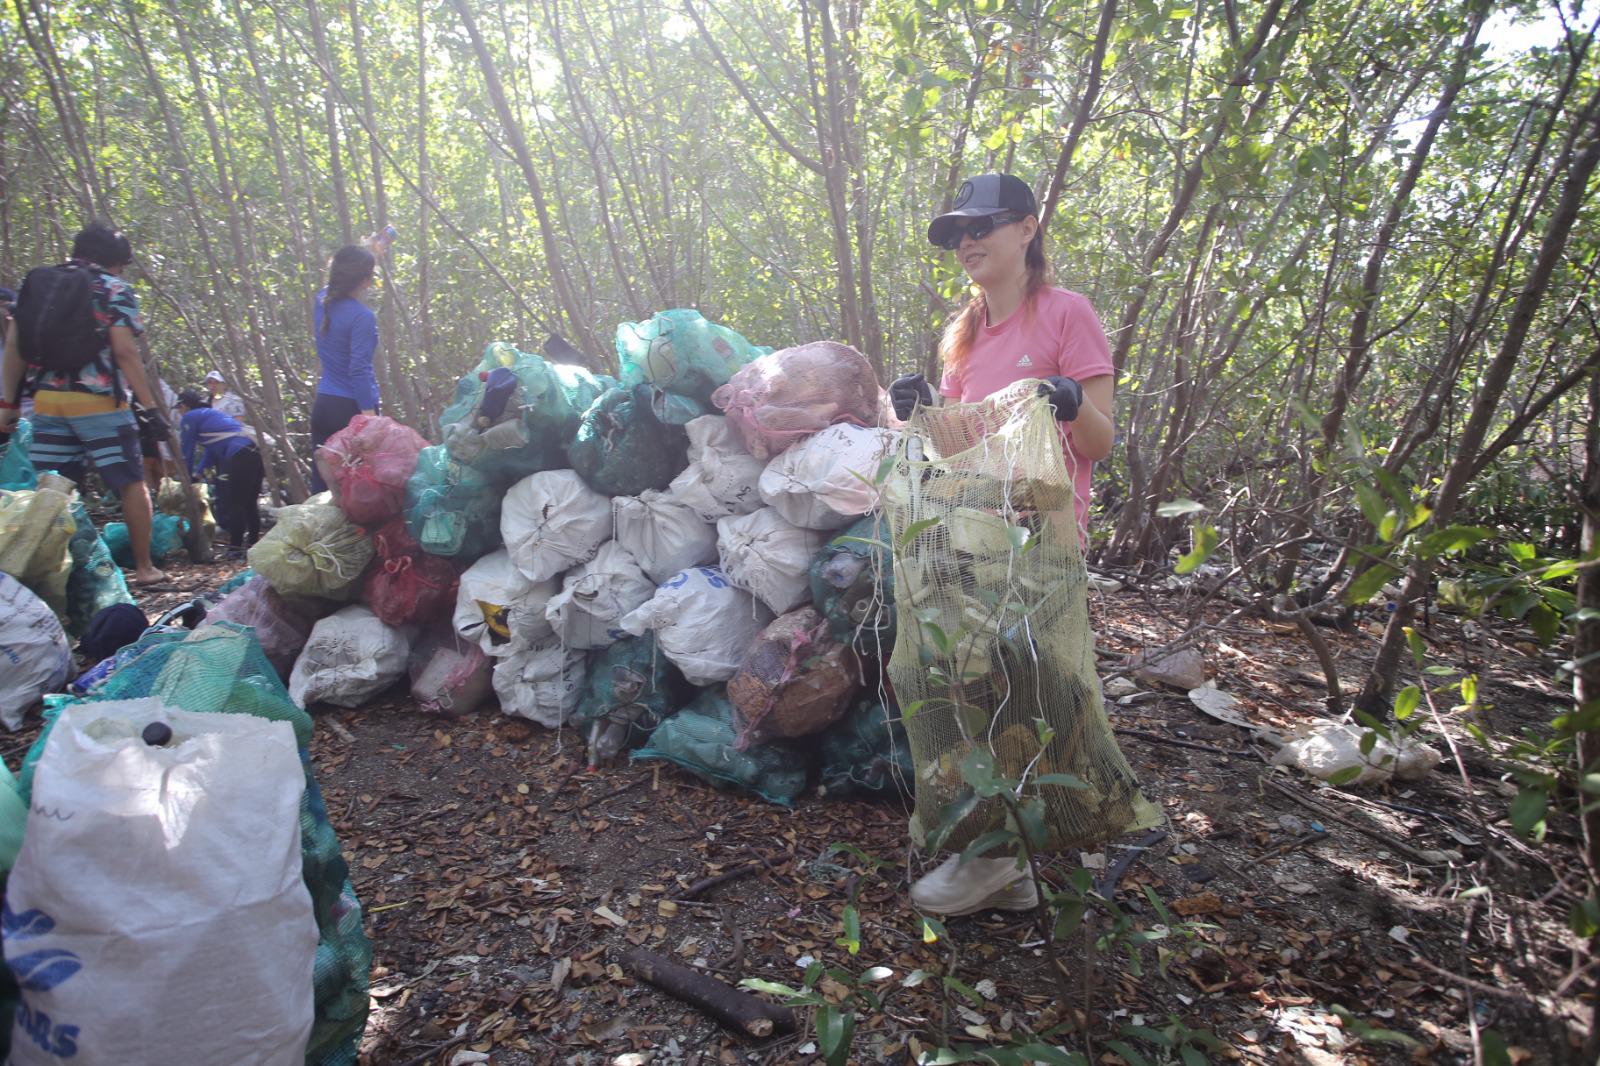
<point>986,194</point>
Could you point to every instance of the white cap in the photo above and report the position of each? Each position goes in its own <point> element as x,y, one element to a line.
<point>216,375</point>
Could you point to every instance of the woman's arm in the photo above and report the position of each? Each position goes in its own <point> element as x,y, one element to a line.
<point>1093,431</point>
<point>363,348</point>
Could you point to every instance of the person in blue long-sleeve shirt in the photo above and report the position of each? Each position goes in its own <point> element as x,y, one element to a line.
<point>347,340</point>
<point>215,442</point>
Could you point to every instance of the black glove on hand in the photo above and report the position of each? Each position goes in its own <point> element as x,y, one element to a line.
<point>1066,396</point>
<point>906,392</point>
<point>152,423</point>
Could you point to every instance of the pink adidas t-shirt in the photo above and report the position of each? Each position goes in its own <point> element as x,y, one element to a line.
<point>1059,335</point>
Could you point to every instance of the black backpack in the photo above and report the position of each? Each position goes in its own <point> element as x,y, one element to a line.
<point>56,325</point>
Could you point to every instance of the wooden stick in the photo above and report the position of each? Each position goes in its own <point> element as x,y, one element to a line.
<point>737,1010</point>
<point>1384,838</point>
<point>706,884</point>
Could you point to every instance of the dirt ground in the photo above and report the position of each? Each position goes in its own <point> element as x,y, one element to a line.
<point>502,881</point>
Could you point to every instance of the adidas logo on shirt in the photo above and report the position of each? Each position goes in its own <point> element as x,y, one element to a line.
<point>1025,361</point>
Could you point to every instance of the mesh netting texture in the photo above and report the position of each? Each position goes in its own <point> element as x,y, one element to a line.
<point>993,624</point>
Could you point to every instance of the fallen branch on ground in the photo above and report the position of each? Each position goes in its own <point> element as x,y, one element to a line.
<point>733,1008</point>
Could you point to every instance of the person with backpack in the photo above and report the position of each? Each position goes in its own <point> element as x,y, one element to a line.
<point>347,340</point>
<point>231,455</point>
<point>72,343</point>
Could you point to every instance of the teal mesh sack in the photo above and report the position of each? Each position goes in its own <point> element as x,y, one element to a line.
<point>852,585</point>
<point>166,539</point>
<point>865,753</point>
<point>16,466</point>
<point>700,738</point>
<point>221,668</point>
<point>538,420</point>
<point>451,508</point>
<point>622,449</point>
<point>238,580</point>
<point>681,357</point>
<point>96,582</point>
<point>631,688</point>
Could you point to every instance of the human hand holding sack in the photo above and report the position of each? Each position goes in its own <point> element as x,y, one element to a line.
<point>907,391</point>
<point>152,422</point>
<point>1066,397</point>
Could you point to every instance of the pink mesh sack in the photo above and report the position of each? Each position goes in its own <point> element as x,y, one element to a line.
<point>406,585</point>
<point>795,681</point>
<point>282,623</point>
<point>367,464</point>
<point>450,675</point>
<point>788,395</point>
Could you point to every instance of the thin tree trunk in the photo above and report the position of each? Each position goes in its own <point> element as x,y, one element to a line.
<point>1081,114</point>
<point>330,112</point>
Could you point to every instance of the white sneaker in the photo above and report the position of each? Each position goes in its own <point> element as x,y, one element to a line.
<point>954,887</point>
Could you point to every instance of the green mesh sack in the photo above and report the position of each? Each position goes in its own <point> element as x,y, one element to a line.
<point>96,582</point>
<point>994,647</point>
<point>852,585</point>
<point>238,580</point>
<point>36,526</point>
<point>221,668</point>
<point>538,420</point>
<point>166,539</point>
<point>314,550</point>
<point>865,753</point>
<point>16,466</point>
<point>451,508</point>
<point>681,357</point>
<point>700,739</point>
<point>622,449</point>
<point>631,688</point>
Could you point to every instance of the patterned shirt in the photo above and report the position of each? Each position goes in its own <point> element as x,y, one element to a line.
<point>115,304</point>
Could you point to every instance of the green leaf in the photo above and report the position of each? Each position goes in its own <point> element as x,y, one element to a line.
<point>1205,542</point>
<point>851,941</point>
<point>1373,505</point>
<point>1584,917</point>
<point>1389,526</point>
<point>1345,776</point>
<point>951,816</point>
<point>1052,1056</point>
<point>1451,539</point>
<point>1033,823</point>
<point>1406,701</point>
<point>1528,813</point>
<point>834,1030</point>
<point>1062,780</point>
<point>1192,1056</point>
<point>915,978</point>
<point>1369,740</point>
<point>1494,1049</point>
<point>1127,1052</point>
<point>1469,689</point>
<point>1521,551</point>
<point>961,989</point>
<point>771,988</point>
<point>1069,917</point>
<point>1369,583</point>
<point>977,770</point>
<point>1419,650</point>
<point>1545,621</point>
<point>1178,508</point>
<point>876,973</point>
<point>987,843</point>
<point>914,530</point>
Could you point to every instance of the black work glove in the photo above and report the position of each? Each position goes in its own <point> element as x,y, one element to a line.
<point>1066,396</point>
<point>906,392</point>
<point>152,422</point>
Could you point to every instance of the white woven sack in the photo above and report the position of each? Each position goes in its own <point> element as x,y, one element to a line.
<point>157,912</point>
<point>349,658</point>
<point>702,622</point>
<point>829,479</point>
<point>541,684</point>
<point>551,521</point>
<point>587,612</point>
<point>34,653</point>
<point>769,555</point>
<point>721,477</point>
<point>500,608</point>
<point>663,533</point>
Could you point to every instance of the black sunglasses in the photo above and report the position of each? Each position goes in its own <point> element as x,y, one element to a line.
<point>977,229</point>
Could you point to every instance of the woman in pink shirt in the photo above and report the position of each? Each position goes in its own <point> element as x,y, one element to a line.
<point>1019,325</point>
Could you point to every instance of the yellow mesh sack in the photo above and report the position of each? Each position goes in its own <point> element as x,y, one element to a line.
<point>994,649</point>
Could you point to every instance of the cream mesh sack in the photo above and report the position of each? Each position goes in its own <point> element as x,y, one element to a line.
<point>993,622</point>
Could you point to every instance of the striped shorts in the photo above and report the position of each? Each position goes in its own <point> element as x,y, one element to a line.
<point>107,441</point>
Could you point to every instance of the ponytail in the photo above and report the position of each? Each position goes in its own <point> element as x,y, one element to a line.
<point>350,267</point>
<point>955,344</point>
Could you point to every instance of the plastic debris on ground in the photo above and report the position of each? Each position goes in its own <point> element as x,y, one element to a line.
<point>282,624</point>
<point>622,448</point>
<point>452,509</point>
<point>682,357</point>
<point>722,478</point>
<point>852,584</point>
<point>768,555</point>
<point>829,480</point>
<point>367,464</point>
<point>790,394</point>
<point>450,675</point>
<point>350,657</point>
<point>1331,751</point>
<point>663,533</point>
<point>33,647</point>
<point>500,608</point>
<point>702,622</point>
<point>587,613</point>
<point>221,668</point>
<point>701,738</point>
<point>865,753</point>
<point>541,683</point>
<point>219,801</point>
<point>405,585</point>
<point>795,681</point>
<point>631,688</point>
<point>314,550</point>
<point>551,521</point>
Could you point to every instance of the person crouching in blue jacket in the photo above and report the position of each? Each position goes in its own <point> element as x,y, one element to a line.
<point>236,472</point>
